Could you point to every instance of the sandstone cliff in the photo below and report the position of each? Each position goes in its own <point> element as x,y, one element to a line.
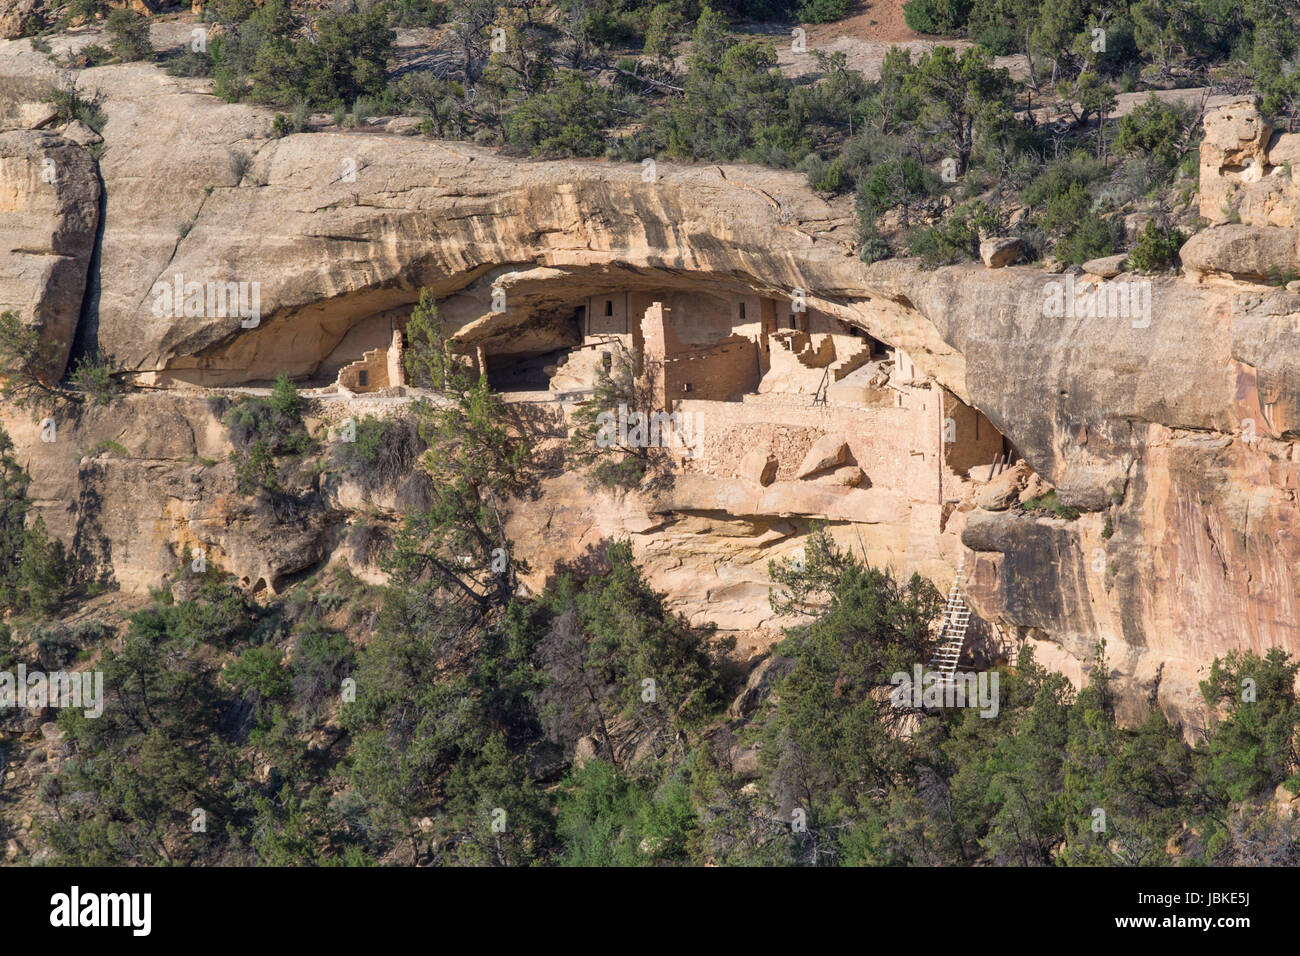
<point>1173,430</point>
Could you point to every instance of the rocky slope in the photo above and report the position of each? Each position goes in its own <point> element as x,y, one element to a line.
<point>1174,434</point>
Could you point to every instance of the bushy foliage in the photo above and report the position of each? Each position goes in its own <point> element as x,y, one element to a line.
<point>944,17</point>
<point>128,35</point>
<point>271,58</point>
<point>35,571</point>
<point>957,237</point>
<point>27,363</point>
<point>1157,248</point>
<point>93,376</point>
<point>569,119</point>
<point>381,452</point>
<point>1155,130</point>
<point>264,431</point>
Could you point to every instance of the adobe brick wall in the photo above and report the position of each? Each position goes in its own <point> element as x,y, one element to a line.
<point>897,447</point>
<point>374,363</point>
<point>721,373</point>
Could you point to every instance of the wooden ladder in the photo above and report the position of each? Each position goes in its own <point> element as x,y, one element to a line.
<point>956,618</point>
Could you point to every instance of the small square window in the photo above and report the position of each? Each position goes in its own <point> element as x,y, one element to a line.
<point>686,386</point>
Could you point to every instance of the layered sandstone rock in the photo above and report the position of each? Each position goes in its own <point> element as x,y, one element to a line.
<point>49,212</point>
<point>1171,426</point>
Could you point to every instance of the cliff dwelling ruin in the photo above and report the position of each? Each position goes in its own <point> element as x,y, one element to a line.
<point>815,417</point>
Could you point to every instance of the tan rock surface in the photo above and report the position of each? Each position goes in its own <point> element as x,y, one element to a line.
<point>1142,422</point>
<point>759,466</point>
<point>829,451</point>
<point>49,211</point>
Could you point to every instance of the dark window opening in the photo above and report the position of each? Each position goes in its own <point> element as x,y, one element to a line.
<point>742,310</point>
<point>363,377</point>
<point>609,307</point>
<point>686,386</point>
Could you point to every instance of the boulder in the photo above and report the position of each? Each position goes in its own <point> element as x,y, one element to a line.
<point>16,15</point>
<point>81,134</point>
<point>759,684</point>
<point>1284,148</point>
<point>1107,267</point>
<point>759,465</point>
<point>1000,252</point>
<point>586,749</point>
<point>850,476</point>
<point>1034,488</point>
<point>745,762</point>
<point>829,451</point>
<point>1005,488</point>
<point>1287,803</point>
<point>1253,253</point>
<point>403,125</point>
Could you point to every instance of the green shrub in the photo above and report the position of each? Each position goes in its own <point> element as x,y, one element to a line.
<point>821,11</point>
<point>1093,237</point>
<point>567,120</point>
<point>190,62</point>
<point>1157,248</point>
<point>957,237</point>
<point>999,39</point>
<point>92,376</point>
<point>27,363</point>
<point>321,661</point>
<point>260,676</point>
<point>106,446</point>
<point>128,35</point>
<point>264,431</point>
<point>826,177</point>
<point>899,181</point>
<point>1048,504</point>
<point>1067,211</point>
<point>416,13</point>
<point>941,17</point>
<point>383,452</point>
<point>271,59</point>
<point>872,246</point>
<point>1154,129</point>
<point>69,105</point>
<point>92,54</point>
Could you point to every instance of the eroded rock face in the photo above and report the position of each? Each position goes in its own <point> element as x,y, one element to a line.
<point>49,212</point>
<point>129,486</point>
<point>1171,426</point>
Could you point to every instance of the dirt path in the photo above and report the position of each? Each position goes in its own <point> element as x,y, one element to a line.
<point>866,35</point>
<point>875,20</point>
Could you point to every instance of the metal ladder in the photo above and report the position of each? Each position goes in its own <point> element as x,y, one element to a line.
<point>956,618</point>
